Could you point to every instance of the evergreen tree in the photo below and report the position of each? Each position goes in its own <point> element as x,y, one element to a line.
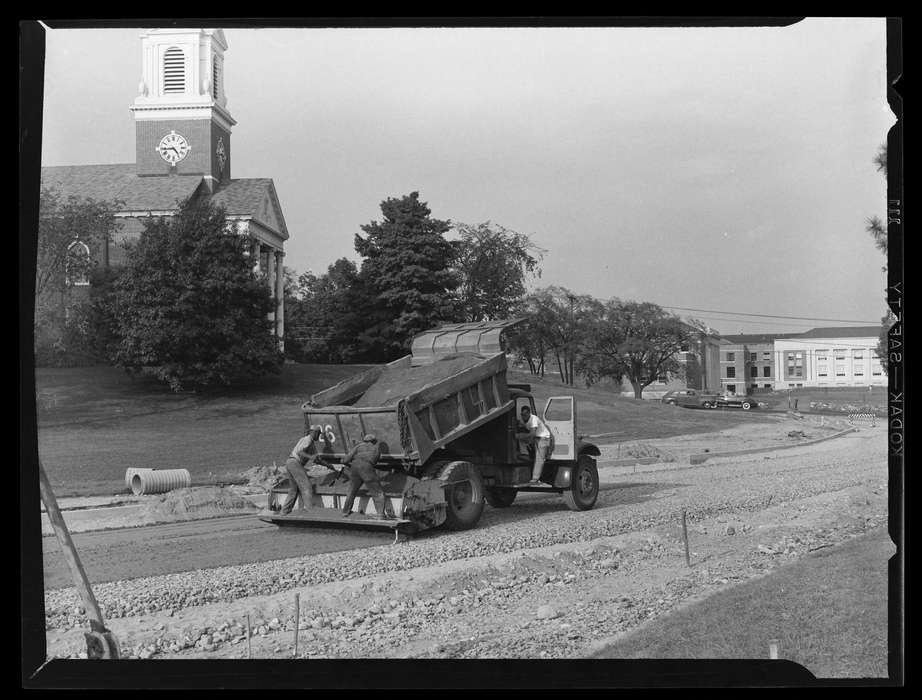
<point>189,309</point>
<point>406,281</point>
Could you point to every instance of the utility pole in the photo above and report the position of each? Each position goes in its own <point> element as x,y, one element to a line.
<point>570,352</point>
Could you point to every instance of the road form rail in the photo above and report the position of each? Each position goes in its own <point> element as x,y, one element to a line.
<point>701,458</point>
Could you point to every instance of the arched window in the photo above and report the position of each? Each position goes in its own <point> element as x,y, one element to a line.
<point>77,264</point>
<point>174,70</point>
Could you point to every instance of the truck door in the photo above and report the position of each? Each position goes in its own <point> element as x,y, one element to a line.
<point>560,417</point>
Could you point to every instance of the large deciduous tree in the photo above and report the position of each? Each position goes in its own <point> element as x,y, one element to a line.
<point>72,234</point>
<point>406,277</point>
<point>493,265</point>
<point>557,323</point>
<point>189,308</point>
<point>640,341</point>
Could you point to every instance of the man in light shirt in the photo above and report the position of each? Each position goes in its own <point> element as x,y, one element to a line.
<point>540,434</point>
<point>298,481</point>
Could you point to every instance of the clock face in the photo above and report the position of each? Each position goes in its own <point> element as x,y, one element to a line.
<point>173,148</point>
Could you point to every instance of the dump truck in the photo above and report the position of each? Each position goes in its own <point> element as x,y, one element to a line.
<point>447,424</point>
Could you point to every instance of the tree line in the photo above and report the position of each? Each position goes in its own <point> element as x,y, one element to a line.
<point>187,308</point>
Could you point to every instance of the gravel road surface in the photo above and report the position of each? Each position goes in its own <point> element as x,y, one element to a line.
<point>530,581</point>
<point>113,555</point>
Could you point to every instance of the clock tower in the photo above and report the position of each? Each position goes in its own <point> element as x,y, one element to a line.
<point>182,126</point>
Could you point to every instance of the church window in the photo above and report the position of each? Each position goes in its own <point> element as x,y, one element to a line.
<point>77,264</point>
<point>174,70</point>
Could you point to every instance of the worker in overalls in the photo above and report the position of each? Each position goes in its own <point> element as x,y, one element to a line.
<point>298,481</point>
<point>361,461</point>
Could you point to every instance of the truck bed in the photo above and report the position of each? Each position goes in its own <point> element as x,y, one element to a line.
<point>413,411</point>
<point>396,383</point>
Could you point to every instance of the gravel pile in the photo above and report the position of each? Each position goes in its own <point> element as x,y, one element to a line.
<point>396,382</point>
<point>193,503</point>
<point>721,489</point>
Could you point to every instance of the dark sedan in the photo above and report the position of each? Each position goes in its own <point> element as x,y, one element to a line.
<point>733,401</point>
<point>690,398</point>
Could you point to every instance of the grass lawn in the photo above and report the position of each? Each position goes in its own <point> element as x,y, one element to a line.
<point>827,611</point>
<point>96,422</point>
<point>600,411</point>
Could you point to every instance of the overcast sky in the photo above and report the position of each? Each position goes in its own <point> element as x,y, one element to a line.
<point>716,168</point>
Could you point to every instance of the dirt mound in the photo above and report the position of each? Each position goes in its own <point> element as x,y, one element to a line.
<point>266,477</point>
<point>644,450</point>
<point>193,503</point>
<point>395,383</point>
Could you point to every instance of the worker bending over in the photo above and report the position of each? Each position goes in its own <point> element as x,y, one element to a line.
<point>361,461</point>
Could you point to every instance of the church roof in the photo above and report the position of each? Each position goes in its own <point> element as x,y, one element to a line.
<point>120,181</point>
<point>242,197</point>
<point>250,197</point>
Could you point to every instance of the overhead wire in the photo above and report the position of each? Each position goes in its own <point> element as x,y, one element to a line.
<point>796,318</point>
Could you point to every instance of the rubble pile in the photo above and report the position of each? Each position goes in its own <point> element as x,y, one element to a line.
<point>193,503</point>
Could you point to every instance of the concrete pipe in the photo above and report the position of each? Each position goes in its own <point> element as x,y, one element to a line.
<point>131,471</point>
<point>160,481</point>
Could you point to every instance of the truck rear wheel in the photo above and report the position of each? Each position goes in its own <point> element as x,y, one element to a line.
<point>464,493</point>
<point>500,497</point>
<point>584,486</point>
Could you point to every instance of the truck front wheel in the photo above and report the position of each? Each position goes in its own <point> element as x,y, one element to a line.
<point>464,494</point>
<point>584,486</point>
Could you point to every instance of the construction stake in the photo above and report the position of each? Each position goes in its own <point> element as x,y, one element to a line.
<point>297,621</point>
<point>100,642</point>
<point>685,538</point>
<point>249,633</point>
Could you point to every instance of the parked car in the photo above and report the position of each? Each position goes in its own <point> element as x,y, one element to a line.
<point>734,401</point>
<point>690,398</point>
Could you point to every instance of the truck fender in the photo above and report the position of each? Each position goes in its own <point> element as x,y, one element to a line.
<point>587,448</point>
<point>564,475</point>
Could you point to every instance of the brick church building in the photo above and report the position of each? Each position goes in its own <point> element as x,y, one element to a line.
<point>183,149</point>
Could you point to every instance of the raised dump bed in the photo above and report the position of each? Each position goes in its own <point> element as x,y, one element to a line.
<point>414,406</point>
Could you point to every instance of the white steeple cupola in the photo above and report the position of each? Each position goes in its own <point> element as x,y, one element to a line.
<point>182,123</point>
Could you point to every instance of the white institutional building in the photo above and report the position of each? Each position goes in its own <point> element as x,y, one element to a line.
<point>829,357</point>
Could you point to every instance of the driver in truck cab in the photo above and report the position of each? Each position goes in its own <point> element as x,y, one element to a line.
<point>539,435</point>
